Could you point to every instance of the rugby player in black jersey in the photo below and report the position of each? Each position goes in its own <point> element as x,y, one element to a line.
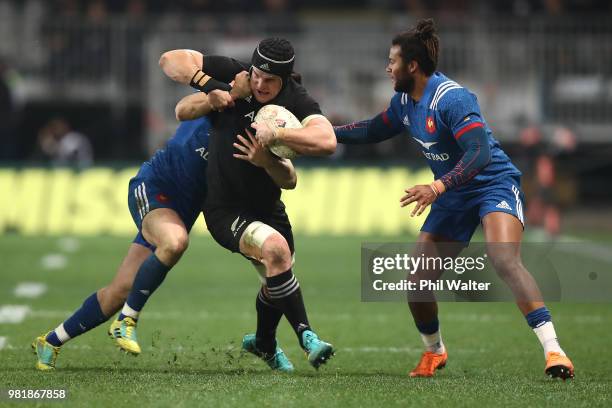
<point>243,211</point>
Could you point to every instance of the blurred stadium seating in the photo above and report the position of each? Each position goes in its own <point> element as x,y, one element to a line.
<point>543,66</point>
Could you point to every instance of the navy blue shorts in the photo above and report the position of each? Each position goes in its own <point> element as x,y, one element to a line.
<point>456,214</point>
<point>146,192</point>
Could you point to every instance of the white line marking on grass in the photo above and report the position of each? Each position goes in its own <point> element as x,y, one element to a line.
<point>30,289</point>
<point>69,244</point>
<point>54,261</point>
<point>3,341</point>
<point>13,313</point>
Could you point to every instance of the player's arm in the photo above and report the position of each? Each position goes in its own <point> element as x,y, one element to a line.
<point>316,138</point>
<point>375,130</point>
<point>204,73</point>
<point>281,171</point>
<point>193,106</point>
<point>461,113</point>
<point>381,127</point>
<point>474,142</point>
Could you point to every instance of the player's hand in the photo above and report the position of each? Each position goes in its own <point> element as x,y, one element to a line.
<point>220,100</point>
<point>253,151</point>
<point>265,135</point>
<point>241,86</point>
<point>422,195</point>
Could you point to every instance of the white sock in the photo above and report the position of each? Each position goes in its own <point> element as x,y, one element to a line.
<point>548,338</point>
<point>61,334</point>
<point>128,311</point>
<point>433,342</point>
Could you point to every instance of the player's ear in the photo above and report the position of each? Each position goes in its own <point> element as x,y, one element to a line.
<point>413,66</point>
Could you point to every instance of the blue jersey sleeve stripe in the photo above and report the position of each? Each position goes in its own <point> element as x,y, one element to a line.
<point>464,129</point>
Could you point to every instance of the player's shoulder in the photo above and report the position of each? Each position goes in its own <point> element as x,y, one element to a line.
<point>299,101</point>
<point>446,92</point>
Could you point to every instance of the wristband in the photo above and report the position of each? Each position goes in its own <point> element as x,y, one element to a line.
<point>206,83</point>
<point>434,189</point>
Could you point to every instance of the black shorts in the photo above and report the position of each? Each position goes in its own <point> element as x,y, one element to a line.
<point>227,224</point>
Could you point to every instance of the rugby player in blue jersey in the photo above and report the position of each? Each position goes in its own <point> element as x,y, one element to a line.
<point>164,199</point>
<point>475,183</point>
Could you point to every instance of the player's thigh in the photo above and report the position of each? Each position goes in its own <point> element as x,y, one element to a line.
<point>430,245</point>
<point>164,227</point>
<point>503,233</point>
<point>501,227</point>
<point>501,212</point>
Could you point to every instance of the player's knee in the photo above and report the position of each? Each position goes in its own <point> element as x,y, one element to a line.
<point>276,253</point>
<point>173,246</point>
<point>506,263</point>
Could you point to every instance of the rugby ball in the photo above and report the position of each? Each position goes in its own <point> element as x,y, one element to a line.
<point>276,116</point>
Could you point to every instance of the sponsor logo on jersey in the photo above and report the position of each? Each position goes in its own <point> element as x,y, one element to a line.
<point>248,98</point>
<point>426,145</point>
<point>436,156</point>
<point>504,205</point>
<point>430,124</point>
<point>203,152</point>
<point>406,121</point>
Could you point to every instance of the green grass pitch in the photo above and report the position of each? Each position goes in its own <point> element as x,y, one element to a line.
<point>192,327</point>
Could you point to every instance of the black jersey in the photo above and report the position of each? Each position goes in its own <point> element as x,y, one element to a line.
<point>234,182</point>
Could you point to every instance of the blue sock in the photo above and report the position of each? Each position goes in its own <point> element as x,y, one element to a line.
<point>86,318</point>
<point>150,275</point>
<point>538,317</point>
<point>428,328</point>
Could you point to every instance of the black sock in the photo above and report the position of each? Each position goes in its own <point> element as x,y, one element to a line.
<point>285,292</point>
<point>268,317</point>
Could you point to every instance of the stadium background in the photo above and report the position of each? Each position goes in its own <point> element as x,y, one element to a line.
<point>83,102</point>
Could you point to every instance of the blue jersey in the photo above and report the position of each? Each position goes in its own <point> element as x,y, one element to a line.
<point>445,112</point>
<point>181,165</point>
<point>174,178</point>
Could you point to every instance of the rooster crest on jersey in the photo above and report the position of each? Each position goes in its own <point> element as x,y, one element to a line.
<point>275,117</point>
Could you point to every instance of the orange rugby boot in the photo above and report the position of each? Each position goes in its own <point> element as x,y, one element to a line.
<point>429,363</point>
<point>558,366</point>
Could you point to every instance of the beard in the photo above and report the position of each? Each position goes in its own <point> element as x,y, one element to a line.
<point>405,84</point>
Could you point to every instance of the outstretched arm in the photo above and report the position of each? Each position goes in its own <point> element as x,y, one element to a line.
<point>373,130</point>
